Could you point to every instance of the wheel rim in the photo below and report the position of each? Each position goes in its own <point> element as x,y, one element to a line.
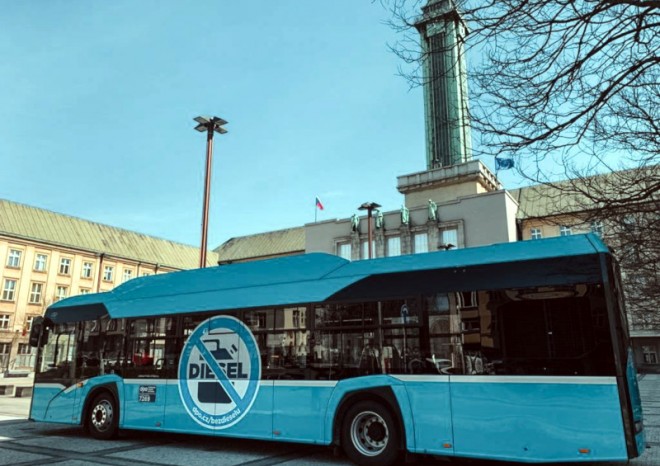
<point>102,415</point>
<point>369,433</point>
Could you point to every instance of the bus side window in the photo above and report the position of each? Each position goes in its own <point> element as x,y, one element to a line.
<point>538,331</point>
<point>112,352</point>
<point>151,348</point>
<point>282,337</point>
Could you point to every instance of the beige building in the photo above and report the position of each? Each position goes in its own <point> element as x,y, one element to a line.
<point>450,207</point>
<point>461,206</point>
<point>45,256</point>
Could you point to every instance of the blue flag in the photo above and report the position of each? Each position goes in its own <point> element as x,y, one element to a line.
<point>503,164</point>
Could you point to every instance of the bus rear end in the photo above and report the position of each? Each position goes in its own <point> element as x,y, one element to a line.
<point>631,402</point>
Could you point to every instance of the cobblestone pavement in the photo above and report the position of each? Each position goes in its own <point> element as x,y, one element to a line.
<point>25,443</point>
<point>649,387</point>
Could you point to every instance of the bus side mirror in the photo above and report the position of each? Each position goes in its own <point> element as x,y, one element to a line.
<point>39,332</point>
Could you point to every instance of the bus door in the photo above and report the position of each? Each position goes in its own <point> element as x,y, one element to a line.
<point>87,362</point>
<point>145,383</point>
<point>426,372</point>
<point>55,383</point>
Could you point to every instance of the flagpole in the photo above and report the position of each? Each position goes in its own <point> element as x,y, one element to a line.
<point>317,206</point>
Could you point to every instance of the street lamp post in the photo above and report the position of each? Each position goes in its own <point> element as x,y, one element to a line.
<point>369,207</point>
<point>210,125</point>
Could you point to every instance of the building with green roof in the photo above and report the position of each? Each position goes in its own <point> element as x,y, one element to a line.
<point>46,256</point>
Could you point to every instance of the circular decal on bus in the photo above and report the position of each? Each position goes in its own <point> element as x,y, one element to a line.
<point>219,372</point>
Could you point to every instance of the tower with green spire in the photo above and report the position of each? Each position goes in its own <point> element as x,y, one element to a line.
<point>443,31</point>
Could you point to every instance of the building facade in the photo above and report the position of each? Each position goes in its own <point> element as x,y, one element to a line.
<point>45,256</point>
<point>451,207</point>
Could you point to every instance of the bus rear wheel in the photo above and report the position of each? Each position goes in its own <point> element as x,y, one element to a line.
<point>369,435</point>
<point>102,418</point>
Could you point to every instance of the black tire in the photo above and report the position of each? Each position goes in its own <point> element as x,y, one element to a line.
<point>103,417</point>
<point>369,435</point>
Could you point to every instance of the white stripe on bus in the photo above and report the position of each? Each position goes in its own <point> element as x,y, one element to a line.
<point>304,383</point>
<point>146,381</point>
<point>421,378</point>
<point>537,379</point>
<point>511,379</point>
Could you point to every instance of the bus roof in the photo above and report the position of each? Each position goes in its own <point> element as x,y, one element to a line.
<point>319,277</point>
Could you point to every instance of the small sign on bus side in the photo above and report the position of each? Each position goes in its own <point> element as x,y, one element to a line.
<point>147,394</point>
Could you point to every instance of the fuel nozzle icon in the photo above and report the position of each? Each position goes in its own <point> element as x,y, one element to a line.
<point>212,391</point>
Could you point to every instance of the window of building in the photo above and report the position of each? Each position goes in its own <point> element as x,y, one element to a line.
<point>536,233</point>
<point>146,274</point>
<point>449,238</point>
<point>14,258</point>
<point>61,292</point>
<point>467,299</point>
<point>420,243</point>
<point>40,262</point>
<point>4,348</point>
<point>4,321</point>
<point>650,355</point>
<point>87,269</point>
<point>36,291</point>
<point>393,247</point>
<point>344,250</point>
<point>28,323</point>
<point>564,230</point>
<point>597,227</point>
<point>85,291</point>
<point>4,354</point>
<point>24,348</point>
<point>9,289</point>
<point>25,356</point>
<point>128,274</point>
<point>65,266</point>
<point>365,249</point>
<point>108,272</point>
<point>256,320</point>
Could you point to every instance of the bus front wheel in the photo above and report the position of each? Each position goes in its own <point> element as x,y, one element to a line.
<point>369,435</point>
<point>102,418</point>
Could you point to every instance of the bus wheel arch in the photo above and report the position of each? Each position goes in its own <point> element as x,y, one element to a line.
<point>379,409</point>
<point>101,412</point>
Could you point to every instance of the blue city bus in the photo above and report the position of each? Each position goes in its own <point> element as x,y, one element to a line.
<point>516,351</point>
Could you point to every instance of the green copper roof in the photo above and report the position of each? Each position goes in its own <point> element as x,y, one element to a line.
<point>263,245</point>
<point>40,225</point>
<point>619,188</point>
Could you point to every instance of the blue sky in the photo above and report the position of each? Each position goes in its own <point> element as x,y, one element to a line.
<point>97,100</point>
